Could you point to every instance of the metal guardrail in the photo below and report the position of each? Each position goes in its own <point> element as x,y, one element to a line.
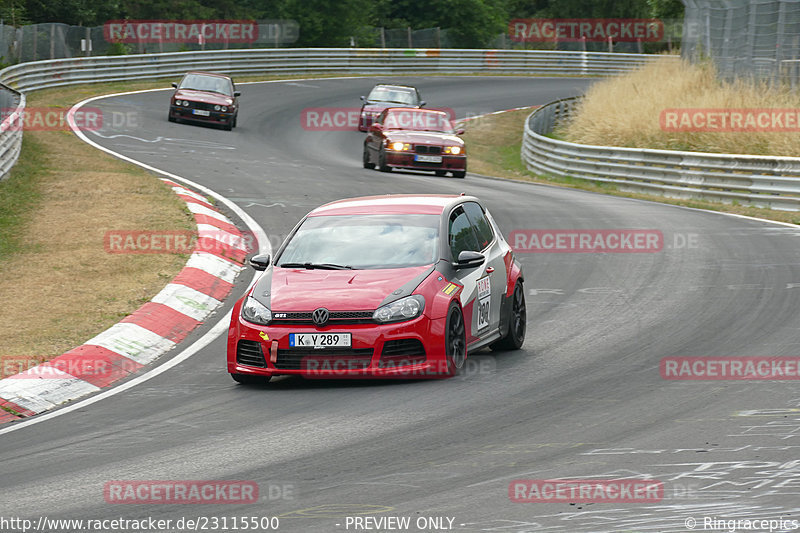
<point>61,72</point>
<point>12,106</point>
<point>761,181</point>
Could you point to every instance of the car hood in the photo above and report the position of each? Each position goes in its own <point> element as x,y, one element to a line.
<point>338,290</point>
<point>423,137</point>
<point>203,96</point>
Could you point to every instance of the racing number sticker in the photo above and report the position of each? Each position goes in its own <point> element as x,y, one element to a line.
<point>484,298</point>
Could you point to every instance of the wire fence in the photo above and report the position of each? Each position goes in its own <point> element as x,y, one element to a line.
<point>37,42</point>
<point>758,39</point>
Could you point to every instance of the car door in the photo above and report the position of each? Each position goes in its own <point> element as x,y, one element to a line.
<point>477,291</point>
<point>496,278</point>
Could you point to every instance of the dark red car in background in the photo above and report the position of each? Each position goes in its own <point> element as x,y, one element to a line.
<point>418,139</point>
<point>205,97</point>
<point>382,96</point>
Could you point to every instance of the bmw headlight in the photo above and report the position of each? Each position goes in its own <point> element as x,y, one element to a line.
<point>185,103</point>
<point>256,312</point>
<point>455,150</point>
<point>216,107</point>
<point>177,102</point>
<point>224,108</point>
<point>399,310</point>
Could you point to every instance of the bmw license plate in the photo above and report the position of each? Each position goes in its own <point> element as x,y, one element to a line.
<point>201,112</point>
<point>320,340</point>
<point>428,158</point>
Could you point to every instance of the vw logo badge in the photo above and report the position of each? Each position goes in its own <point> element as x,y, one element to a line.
<point>320,316</point>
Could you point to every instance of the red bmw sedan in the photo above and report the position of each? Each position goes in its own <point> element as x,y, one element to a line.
<point>417,139</point>
<point>385,286</point>
<point>205,97</point>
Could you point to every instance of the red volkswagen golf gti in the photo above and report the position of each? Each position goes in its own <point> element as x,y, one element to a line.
<point>384,286</point>
<point>418,139</point>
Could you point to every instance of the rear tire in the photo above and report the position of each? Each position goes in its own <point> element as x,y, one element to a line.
<point>248,379</point>
<point>365,159</point>
<point>455,339</point>
<point>515,336</point>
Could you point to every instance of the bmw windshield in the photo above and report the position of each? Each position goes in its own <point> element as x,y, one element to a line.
<point>363,242</point>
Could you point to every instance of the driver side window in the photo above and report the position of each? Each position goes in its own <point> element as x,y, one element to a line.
<point>461,235</point>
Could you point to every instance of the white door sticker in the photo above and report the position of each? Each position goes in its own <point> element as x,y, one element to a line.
<point>484,299</point>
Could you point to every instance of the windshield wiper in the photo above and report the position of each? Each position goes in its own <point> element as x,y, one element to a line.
<point>321,266</point>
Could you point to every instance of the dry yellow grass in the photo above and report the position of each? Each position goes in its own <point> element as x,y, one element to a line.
<point>625,111</point>
<point>62,288</point>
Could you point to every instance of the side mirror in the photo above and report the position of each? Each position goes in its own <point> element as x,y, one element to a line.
<point>174,84</point>
<point>469,259</point>
<point>376,128</point>
<point>237,93</point>
<point>422,103</point>
<point>260,262</point>
<point>460,131</point>
<point>362,98</point>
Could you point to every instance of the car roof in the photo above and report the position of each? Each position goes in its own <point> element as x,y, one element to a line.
<point>208,74</point>
<point>408,87</point>
<point>392,204</point>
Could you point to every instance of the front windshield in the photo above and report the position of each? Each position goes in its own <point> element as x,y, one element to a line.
<point>365,241</point>
<point>385,94</point>
<point>417,120</point>
<point>199,82</point>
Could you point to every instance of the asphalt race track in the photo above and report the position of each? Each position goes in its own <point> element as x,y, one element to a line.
<point>584,399</point>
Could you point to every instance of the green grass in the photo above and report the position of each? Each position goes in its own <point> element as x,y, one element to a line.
<point>20,195</point>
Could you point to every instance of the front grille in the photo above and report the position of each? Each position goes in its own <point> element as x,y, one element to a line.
<point>248,353</point>
<point>339,359</point>
<point>427,149</point>
<point>337,318</point>
<point>200,105</point>
<point>401,352</point>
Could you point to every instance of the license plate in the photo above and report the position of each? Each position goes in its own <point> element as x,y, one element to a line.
<point>428,158</point>
<point>320,340</point>
<point>201,112</point>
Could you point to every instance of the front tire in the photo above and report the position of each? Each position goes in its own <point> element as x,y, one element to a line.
<point>459,173</point>
<point>249,379</point>
<point>517,322</point>
<point>171,118</point>
<point>365,159</point>
<point>455,340</point>
<point>382,166</point>
<point>440,173</point>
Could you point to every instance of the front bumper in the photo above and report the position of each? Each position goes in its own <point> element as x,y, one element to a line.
<point>406,160</point>
<point>214,117</point>
<point>377,350</point>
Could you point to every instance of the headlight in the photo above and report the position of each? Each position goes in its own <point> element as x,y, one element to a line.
<point>455,150</point>
<point>185,103</point>
<point>224,108</point>
<point>399,147</point>
<point>256,312</point>
<point>216,108</point>
<point>177,102</point>
<point>402,309</point>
